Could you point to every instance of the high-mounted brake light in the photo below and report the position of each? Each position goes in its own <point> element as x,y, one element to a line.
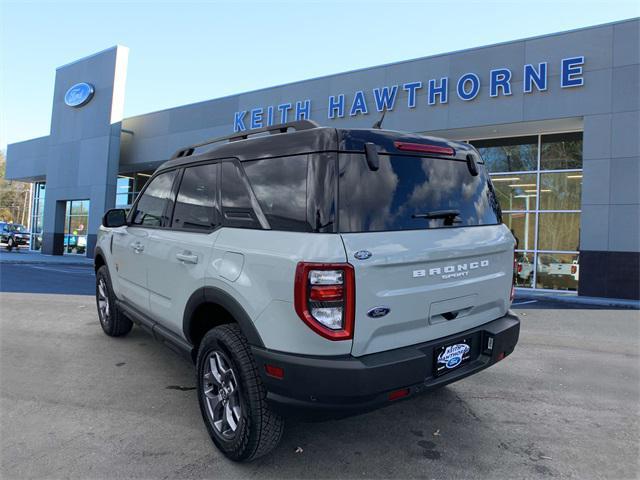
<point>324,297</point>
<point>424,148</point>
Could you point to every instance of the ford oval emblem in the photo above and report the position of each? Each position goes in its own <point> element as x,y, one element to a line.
<point>362,254</point>
<point>377,312</point>
<point>79,94</point>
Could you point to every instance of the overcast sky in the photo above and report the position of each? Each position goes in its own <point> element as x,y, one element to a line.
<point>183,52</point>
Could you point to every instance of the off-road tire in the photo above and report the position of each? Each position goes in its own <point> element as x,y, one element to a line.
<point>260,429</point>
<point>114,323</point>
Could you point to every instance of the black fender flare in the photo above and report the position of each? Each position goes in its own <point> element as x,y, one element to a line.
<point>220,297</point>
<point>98,253</point>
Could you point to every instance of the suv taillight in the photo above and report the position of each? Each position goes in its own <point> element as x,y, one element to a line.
<point>324,297</point>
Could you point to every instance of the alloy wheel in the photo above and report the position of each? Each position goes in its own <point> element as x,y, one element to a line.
<point>103,301</point>
<point>222,396</point>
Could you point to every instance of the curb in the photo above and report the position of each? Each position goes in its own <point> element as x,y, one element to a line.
<point>577,299</point>
<point>40,262</point>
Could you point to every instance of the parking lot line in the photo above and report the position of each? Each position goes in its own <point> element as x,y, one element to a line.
<point>523,303</point>
<point>80,270</point>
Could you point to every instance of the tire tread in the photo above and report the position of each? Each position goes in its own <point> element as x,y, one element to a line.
<point>265,428</point>
<point>120,324</point>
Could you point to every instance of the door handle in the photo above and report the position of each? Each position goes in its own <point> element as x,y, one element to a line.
<point>187,257</point>
<point>137,247</point>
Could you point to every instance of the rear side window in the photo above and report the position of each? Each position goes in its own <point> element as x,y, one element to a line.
<point>151,207</point>
<point>280,185</point>
<point>411,193</point>
<point>237,207</point>
<point>196,204</point>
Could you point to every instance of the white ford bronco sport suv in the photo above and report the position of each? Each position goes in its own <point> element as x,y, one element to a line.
<point>310,269</point>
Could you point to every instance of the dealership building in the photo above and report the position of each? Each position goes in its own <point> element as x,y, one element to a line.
<point>555,117</point>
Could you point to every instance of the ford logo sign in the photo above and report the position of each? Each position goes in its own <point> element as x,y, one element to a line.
<point>377,312</point>
<point>78,95</point>
<point>362,254</point>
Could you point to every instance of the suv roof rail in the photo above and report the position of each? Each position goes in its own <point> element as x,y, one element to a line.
<point>273,129</point>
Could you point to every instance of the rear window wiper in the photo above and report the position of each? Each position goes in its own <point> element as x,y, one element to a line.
<point>437,214</point>
<point>447,215</point>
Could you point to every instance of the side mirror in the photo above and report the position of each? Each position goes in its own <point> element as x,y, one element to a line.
<point>116,217</point>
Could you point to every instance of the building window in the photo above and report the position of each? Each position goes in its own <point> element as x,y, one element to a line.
<point>517,154</point>
<point>128,187</point>
<point>538,180</point>
<point>561,151</point>
<point>75,227</point>
<point>37,214</point>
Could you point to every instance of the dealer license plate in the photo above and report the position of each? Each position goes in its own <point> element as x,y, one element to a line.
<point>451,356</point>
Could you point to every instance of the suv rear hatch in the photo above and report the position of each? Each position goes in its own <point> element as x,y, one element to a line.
<point>430,254</point>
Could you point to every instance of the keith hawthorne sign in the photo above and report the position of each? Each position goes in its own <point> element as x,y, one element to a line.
<point>435,91</point>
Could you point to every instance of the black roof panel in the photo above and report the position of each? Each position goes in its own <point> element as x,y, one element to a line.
<point>314,140</point>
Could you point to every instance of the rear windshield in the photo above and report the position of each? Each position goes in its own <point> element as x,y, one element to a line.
<point>411,193</point>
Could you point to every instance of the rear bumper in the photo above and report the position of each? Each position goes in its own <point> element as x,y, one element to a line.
<point>348,384</point>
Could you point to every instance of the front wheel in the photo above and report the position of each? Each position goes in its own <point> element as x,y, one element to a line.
<point>232,397</point>
<point>112,320</point>
<point>10,244</point>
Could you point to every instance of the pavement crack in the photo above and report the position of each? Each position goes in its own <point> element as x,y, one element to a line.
<point>181,388</point>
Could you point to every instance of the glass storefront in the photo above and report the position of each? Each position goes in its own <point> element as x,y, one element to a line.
<point>77,212</point>
<point>37,214</point>
<point>538,180</point>
<point>75,227</point>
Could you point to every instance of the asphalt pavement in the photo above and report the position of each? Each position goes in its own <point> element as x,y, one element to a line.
<point>75,403</point>
<point>47,278</point>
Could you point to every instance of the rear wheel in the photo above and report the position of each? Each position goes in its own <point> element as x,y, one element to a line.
<point>232,397</point>
<point>10,244</point>
<point>112,320</point>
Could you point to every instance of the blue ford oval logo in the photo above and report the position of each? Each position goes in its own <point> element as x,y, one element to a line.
<point>454,361</point>
<point>79,94</point>
<point>362,254</point>
<point>377,312</point>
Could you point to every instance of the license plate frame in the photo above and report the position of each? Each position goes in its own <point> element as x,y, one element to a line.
<point>450,356</point>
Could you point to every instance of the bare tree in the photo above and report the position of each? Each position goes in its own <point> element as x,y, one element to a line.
<point>14,197</point>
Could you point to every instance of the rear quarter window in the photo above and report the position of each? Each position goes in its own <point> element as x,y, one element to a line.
<point>237,206</point>
<point>280,185</point>
<point>196,206</point>
<point>406,188</point>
